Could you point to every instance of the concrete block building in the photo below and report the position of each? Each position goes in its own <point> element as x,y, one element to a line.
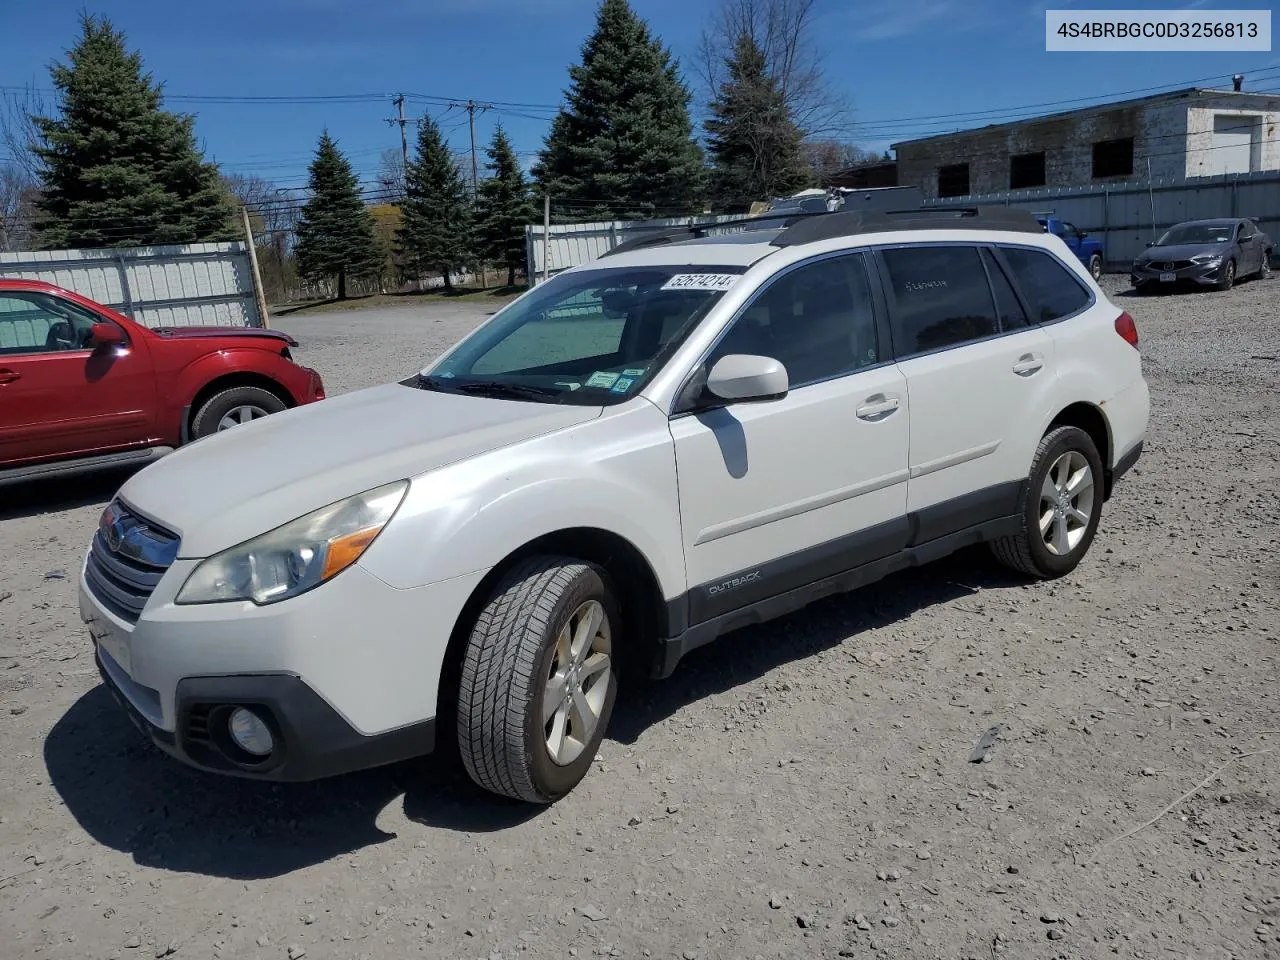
<point>1195,132</point>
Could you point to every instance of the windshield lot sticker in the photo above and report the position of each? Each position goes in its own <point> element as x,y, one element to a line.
<point>701,281</point>
<point>638,372</point>
<point>622,386</point>
<point>599,379</point>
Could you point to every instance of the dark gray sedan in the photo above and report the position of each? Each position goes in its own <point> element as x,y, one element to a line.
<point>1209,253</point>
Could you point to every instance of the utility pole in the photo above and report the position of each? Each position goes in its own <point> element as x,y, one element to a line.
<point>398,100</point>
<point>471,107</point>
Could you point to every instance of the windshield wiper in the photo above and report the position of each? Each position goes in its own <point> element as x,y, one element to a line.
<point>511,391</point>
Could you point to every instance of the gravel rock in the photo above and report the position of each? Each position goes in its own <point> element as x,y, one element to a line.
<point>296,952</point>
<point>1055,933</point>
<point>133,942</point>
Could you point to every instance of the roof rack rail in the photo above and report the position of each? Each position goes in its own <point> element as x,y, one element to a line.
<point>849,223</point>
<point>697,230</point>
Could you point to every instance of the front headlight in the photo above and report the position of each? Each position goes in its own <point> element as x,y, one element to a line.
<point>1206,258</point>
<point>298,556</point>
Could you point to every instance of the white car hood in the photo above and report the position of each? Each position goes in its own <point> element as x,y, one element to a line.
<point>234,485</point>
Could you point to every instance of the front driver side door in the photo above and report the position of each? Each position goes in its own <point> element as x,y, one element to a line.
<point>781,493</point>
<point>59,395</point>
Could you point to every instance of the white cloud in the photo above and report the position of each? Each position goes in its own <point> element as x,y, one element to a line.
<point>887,19</point>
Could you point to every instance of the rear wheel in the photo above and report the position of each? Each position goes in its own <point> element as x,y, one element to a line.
<point>1264,272</point>
<point>1095,266</point>
<point>1061,507</point>
<point>538,679</point>
<point>232,407</point>
<point>1227,279</point>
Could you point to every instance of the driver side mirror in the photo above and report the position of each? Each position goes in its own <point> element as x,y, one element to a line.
<point>1151,243</point>
<point>105,335</point>
<point>741,377</point>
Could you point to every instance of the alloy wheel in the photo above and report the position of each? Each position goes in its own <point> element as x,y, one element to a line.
<point>577,683</point>
<point>241,414</point>
<point>1066,503</point>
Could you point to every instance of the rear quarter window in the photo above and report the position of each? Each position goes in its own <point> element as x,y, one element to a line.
<point>1051,290</point>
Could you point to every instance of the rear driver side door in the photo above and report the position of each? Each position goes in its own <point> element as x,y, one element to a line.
<point>978,374</point>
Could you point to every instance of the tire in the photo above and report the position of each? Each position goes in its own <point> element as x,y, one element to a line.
<point>513,658</point>
<point>1264,272</point>
<point>1095,266</point>
<point>1228,278</point>
<point>235,403</point>
<point>1039,554</point>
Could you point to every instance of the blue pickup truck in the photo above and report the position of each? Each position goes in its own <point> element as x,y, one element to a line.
<point>1082,244</point>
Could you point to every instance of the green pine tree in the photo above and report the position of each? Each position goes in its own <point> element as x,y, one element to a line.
<point>436,226</point>
<point>335,229</point>
<point>755,148</point>
<point>623,145</point>
<point>117,169</point>
<point>504,209</point>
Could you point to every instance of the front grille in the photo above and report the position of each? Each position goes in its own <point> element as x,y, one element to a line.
<point>1172,265</point>
<point>126,561</point>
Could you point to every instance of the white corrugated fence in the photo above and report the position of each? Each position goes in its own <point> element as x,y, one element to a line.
<point>198,284</point>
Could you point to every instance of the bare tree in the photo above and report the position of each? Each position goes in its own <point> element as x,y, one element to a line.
<point>785,31</point>
<point>828,157</point>
<point>391,173</point>
<point>18,194</point>
<point>19,134</point>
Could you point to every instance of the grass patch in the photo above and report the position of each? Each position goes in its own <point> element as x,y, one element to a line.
<point>498,296</point>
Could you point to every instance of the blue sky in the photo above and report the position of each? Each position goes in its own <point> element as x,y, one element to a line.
<point>956,63</point>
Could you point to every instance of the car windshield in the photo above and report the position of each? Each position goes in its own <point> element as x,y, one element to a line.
<point>593,337</point>
<point>1196,233</point>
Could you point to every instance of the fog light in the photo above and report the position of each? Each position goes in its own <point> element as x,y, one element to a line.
<point>249,732</point>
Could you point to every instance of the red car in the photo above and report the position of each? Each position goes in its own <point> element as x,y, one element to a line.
<point>83,388</point>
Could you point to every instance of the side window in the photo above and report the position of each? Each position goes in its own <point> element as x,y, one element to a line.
<point>818,320</point>
<point>1051,290</point>
<point>941,298</point>
<point>36,323</point>
<point>1008,309</point>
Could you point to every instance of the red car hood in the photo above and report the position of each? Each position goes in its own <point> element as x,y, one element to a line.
<point>243,333</point>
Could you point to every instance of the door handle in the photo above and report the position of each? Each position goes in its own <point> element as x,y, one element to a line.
<point>8,376</point>
<point>1028,364</point>
<point>877,407</point>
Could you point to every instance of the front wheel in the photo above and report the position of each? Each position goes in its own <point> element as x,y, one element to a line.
<point>1060,509</point>
<point>1227,278</point>
<point>1264,272</point>
<point>232,407</point>
<point>538,679</point>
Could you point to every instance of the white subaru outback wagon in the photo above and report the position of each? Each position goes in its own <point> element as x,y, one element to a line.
<point>690,434</point>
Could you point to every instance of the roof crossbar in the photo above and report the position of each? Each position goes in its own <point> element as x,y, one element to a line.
<point>850,223</point>
<point>697,230</point>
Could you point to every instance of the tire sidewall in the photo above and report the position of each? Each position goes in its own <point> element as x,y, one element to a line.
<point>205,422</point>
<point>549,778</point>
<point>1095,266</point>
<point>1228,276</point>
<point>1070,438</point>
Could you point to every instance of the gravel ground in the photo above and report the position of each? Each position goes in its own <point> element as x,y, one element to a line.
<point>800,789</point>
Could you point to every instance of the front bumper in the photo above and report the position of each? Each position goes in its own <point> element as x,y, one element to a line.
<point>1158,273</point>
<point>311,739</point>
<point>346,675</point>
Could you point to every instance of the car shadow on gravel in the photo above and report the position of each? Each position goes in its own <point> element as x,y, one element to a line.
<point>129,796</point>
<point>747,654</point>
<point>36,497</point>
